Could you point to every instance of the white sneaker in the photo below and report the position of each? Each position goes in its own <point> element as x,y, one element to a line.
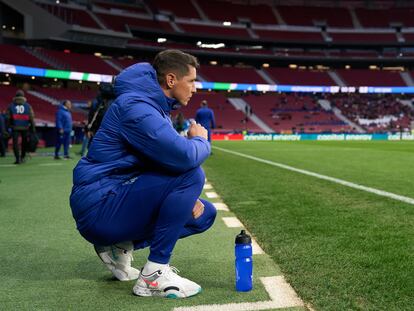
<point>165,283</point>
<point>118,260</point>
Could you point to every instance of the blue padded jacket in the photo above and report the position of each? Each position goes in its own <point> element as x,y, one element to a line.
<point>64,119</point>
<point>136,135</point>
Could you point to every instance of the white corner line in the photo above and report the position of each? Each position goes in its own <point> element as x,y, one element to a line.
<point>221,206</point>
<point>324,177</point>
<point>232,222</point>
<point>208,187</point>
<point>280,292</point>
<point>212,195</point>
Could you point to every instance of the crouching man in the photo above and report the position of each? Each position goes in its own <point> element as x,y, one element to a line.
<point>140,183</point>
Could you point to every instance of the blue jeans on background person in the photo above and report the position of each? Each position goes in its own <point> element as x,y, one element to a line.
<point>65,140</point>
<point>85,143</point>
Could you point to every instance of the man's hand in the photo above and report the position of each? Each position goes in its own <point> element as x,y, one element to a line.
<point>198,209</point>
<point>197,130</point>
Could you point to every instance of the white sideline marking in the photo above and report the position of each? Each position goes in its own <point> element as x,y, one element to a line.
<point>257,250</point>
<point>221,206</point>
<point>332,179</point>
<point>232,222</point>
<point>211,195</point>
<point>281,293</point>
<point>50,164</point>
<point>208,187</point>
<point>8,165</point>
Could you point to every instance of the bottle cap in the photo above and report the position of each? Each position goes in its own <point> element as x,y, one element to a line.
<point>243,238</point>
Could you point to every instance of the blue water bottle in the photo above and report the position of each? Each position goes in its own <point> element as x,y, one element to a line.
<point>244,262</point>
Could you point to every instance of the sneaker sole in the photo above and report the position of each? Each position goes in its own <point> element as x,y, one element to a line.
<point>146,292</point>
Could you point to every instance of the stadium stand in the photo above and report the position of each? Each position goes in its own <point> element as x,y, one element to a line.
<point>73,95</point>
<point>365,77</point>
<point>228,119</point>
<point>359,37</point>
<point>121,8</point>
<point>292,36</point>
<point>305,35</point>
<point>295,113</point>
<point>218,31</point>
<point>12,54</point>
<point>375,112</point>
<point>300,77</point>
<point>234,12</point>
<point>308,16</point>
<point>80,62</point>
<point>230,74</point>
<point>71,16</point>
<point>384,18</point>
<point>186,8</point>
<point>123,23</point>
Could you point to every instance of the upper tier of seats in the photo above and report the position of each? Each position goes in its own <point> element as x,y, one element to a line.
<point>300,77</point>
<point>364,77</point>
<point>15,55</point>
<point>230,74</point>
<point>120,23</point>
<point>308,16</point>
<point>71,16</point>
<point>233,12</point>
<point>120,8</point>
<point>185,9</point>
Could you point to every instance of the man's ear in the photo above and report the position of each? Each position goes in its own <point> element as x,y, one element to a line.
<point>170,79</point>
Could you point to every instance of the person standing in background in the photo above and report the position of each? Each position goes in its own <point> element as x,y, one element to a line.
<point>98,109</point>
<point>20,118</point>
<point>64,129</point>
<point>205,117</point>
<point>85,139</point>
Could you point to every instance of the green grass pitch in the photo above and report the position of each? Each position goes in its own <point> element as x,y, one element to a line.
<point>340,248</point>
<point>46,265</point>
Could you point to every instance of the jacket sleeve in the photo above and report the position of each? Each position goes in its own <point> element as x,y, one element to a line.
<point>154,137</point>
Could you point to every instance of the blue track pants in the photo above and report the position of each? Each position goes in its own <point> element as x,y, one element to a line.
<point>62,139</point>
<point>153,210</point>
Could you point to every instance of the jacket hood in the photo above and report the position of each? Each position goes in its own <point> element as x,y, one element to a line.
<point>140,82</point>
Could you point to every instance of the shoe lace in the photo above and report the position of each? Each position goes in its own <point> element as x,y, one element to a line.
<point>171,271</point>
